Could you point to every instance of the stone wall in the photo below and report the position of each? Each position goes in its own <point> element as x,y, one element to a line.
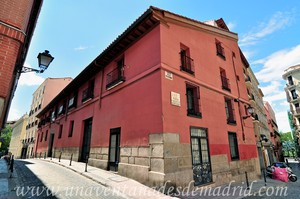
<point>166,160</point>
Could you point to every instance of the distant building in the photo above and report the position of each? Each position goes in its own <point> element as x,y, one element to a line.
<point>17,23</point>
<point>164,102</point>
<point>40,98</point>
<point>292,89</point>
<point>17,137</point>
<point>260,120</point>
<point>275,151</point>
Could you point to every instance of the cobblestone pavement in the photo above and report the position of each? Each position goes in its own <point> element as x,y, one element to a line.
<point>46,180</point>
<point>292,190</point>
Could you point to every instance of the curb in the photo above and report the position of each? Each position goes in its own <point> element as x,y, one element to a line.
<point>81,173</point>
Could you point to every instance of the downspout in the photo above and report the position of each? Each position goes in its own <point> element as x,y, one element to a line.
<point>101,82</point>
<point>238,100</point>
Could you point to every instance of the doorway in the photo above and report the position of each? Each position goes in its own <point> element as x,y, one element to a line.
<point>51,141</point>
<point>86,143</point>
<point>114,149</point>
<point>200,156</point>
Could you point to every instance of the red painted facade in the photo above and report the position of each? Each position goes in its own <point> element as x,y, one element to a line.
<point>17,23</point>
<point>141,103</point>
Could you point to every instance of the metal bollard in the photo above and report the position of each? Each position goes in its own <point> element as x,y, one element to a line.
<point>59,157</point>
<point>40,155</point>
<point>45,155</point>
<point>264,172</point>
<point>86,163</point>
<point>11,166</point>
<point>71,159</point>
<point>247,181</point>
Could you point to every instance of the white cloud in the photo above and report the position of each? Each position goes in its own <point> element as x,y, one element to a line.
<point>275,97</point>
<point>231,25</point>
<point>80,48</point>
<point>278,21</point>
<point>282,121</point>
<point>14,114</point>
<point>30,79</point>
<point>275,64</point>
<point>273,86</point>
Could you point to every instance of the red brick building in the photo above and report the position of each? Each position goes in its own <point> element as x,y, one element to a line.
<point>276,151</point>
<point>164,102</point>
<point>17,23</point>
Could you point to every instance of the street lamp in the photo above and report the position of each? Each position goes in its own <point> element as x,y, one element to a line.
<point>264,138</point>
<point>250,110</point>
<point>44,61</point>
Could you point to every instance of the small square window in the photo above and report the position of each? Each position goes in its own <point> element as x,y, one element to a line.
<point>60,131</point>
<point>193,97</point>
<point>233,144</point>
<point>220,49</point>
<point>71,128</point>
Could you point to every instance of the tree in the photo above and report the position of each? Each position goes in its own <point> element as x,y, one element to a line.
<point>5,139</point>
<point>289,148</point>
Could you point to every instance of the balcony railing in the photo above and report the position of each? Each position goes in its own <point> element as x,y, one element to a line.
<point>225,83</point>
<point>231,117</point>
<point>187,63</point>
<point>87,94</point>
<point>220,50</point>
<point>247,78</point>
<point>115,78</point>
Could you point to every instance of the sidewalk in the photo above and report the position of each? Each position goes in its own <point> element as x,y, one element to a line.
<point>7,181</point>
<point>128,187</point>
<point>134,189</point>
<point>3,177</point>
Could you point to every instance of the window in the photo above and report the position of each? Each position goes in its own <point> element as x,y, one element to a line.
<point>192,96</point>
<point>41,137</point>
<point>290,80</point>
<point>53,115</point>
<point>220,49</point>
<point>61,109</point>
<point>233,144</point>
<point>46,135</point>
<point>116,76</point>
<point>88,93</point>
<point>72,101</point>
<point>186,61</point>
<point>60,131</point>
<point>224,80</point>
<point>229,111</point>
<point>294,94</point>
<point>71,128</point>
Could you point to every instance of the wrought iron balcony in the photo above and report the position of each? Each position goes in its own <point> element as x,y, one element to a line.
<point>225,83</point>
<point>87,94</point>
<point>187,64</point>
<point>115,78</point>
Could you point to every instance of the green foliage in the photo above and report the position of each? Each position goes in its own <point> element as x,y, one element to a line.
<point>5,138</point>
<point>286,137</point>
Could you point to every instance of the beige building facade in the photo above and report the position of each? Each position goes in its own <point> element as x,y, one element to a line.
<point>292,89</point>
<point>40,98</point>
<point>18,134</point>
<point>260,121</point>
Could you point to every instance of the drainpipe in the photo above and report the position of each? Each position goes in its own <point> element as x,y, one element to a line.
<point>101,84</point>
<point>239,95</point>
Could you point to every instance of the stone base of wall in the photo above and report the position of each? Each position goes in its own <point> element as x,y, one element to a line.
<point>166,162</point>
<point>225,171</point>
<point>66,153</point>
<point>102,164</point>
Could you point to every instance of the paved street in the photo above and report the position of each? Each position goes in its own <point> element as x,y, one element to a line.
<point>37,179</point>
<point>292,188</point>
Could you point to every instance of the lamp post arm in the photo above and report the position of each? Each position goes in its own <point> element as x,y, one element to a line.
<point>27,69</point>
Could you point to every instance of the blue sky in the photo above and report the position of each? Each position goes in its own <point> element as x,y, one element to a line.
<point>75,32</point>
